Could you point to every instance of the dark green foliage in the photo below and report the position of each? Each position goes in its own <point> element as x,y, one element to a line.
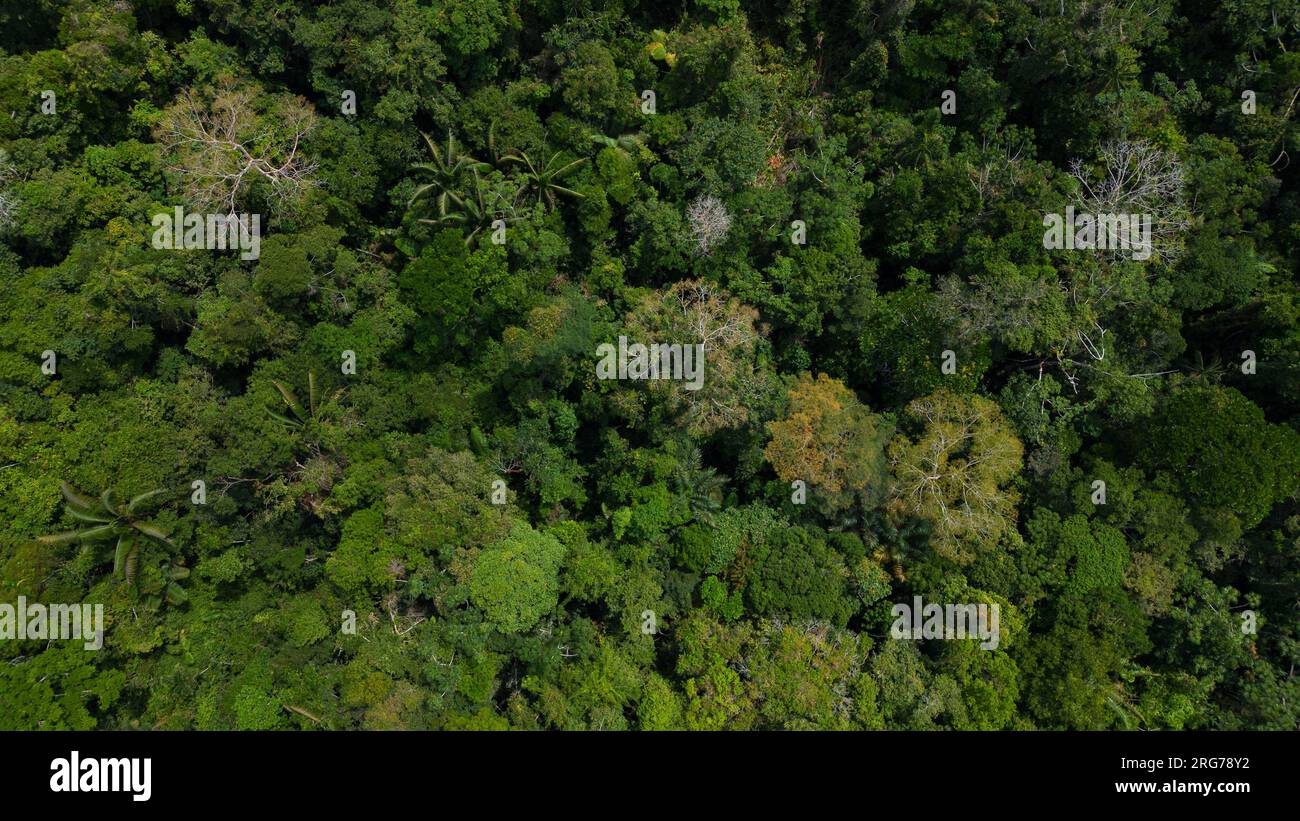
<point>408,497</point>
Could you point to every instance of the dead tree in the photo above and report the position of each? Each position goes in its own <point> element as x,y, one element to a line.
<point>222,148</point>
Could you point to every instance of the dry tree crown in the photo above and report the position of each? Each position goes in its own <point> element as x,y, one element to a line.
<point>709,222</point>
<point>225,147</point>
<point>698,312</point>
<point>1138,177</point>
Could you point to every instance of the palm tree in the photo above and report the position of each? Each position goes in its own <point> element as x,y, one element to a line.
<point>1210,373</point>
<point>703,488</point>
<point>298,416</point>
<point>475,213</point>
<point>447,172</point>
<point>107,518</point>
<point>545,179</point>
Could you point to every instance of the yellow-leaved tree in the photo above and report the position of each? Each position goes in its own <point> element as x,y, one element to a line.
<point>956,472</point>
<point>831,441</point>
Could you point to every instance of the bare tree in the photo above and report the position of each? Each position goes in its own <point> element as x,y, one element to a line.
<point>709,222</point>
<point>710,315</point>
<point>697,312</point>
<point>1012,309</point>
<point>223,148</point>
<point>1000,173</point>
<point>1138,177</point>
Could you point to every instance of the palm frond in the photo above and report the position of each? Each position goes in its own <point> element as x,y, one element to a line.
<point>124,546</point>
<point>74,497</point>
<point>153,532</point>
<point>134,505</point>
<point>289,399</point>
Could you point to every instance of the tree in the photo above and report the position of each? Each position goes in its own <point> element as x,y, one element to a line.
<point>831,441</point>
<point>516,581</point>
<point>463,294</point>
<point>709,221</point>
<point>108,518</point>
<point>58,689</point>
<point>1216,445</point>
<point>802,675</point>
<point>479,209</point>
<point>232,144</point>
<point>545,179</point>
<point>694,312</point>
<point>1137,177</point>
<point>957,472</point>
<point>8,199</point>
<point>301,415</point>
<point>449,172</point>
<point>592,86</point>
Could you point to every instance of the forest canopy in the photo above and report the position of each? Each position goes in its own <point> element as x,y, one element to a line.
<point>518,364</point>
